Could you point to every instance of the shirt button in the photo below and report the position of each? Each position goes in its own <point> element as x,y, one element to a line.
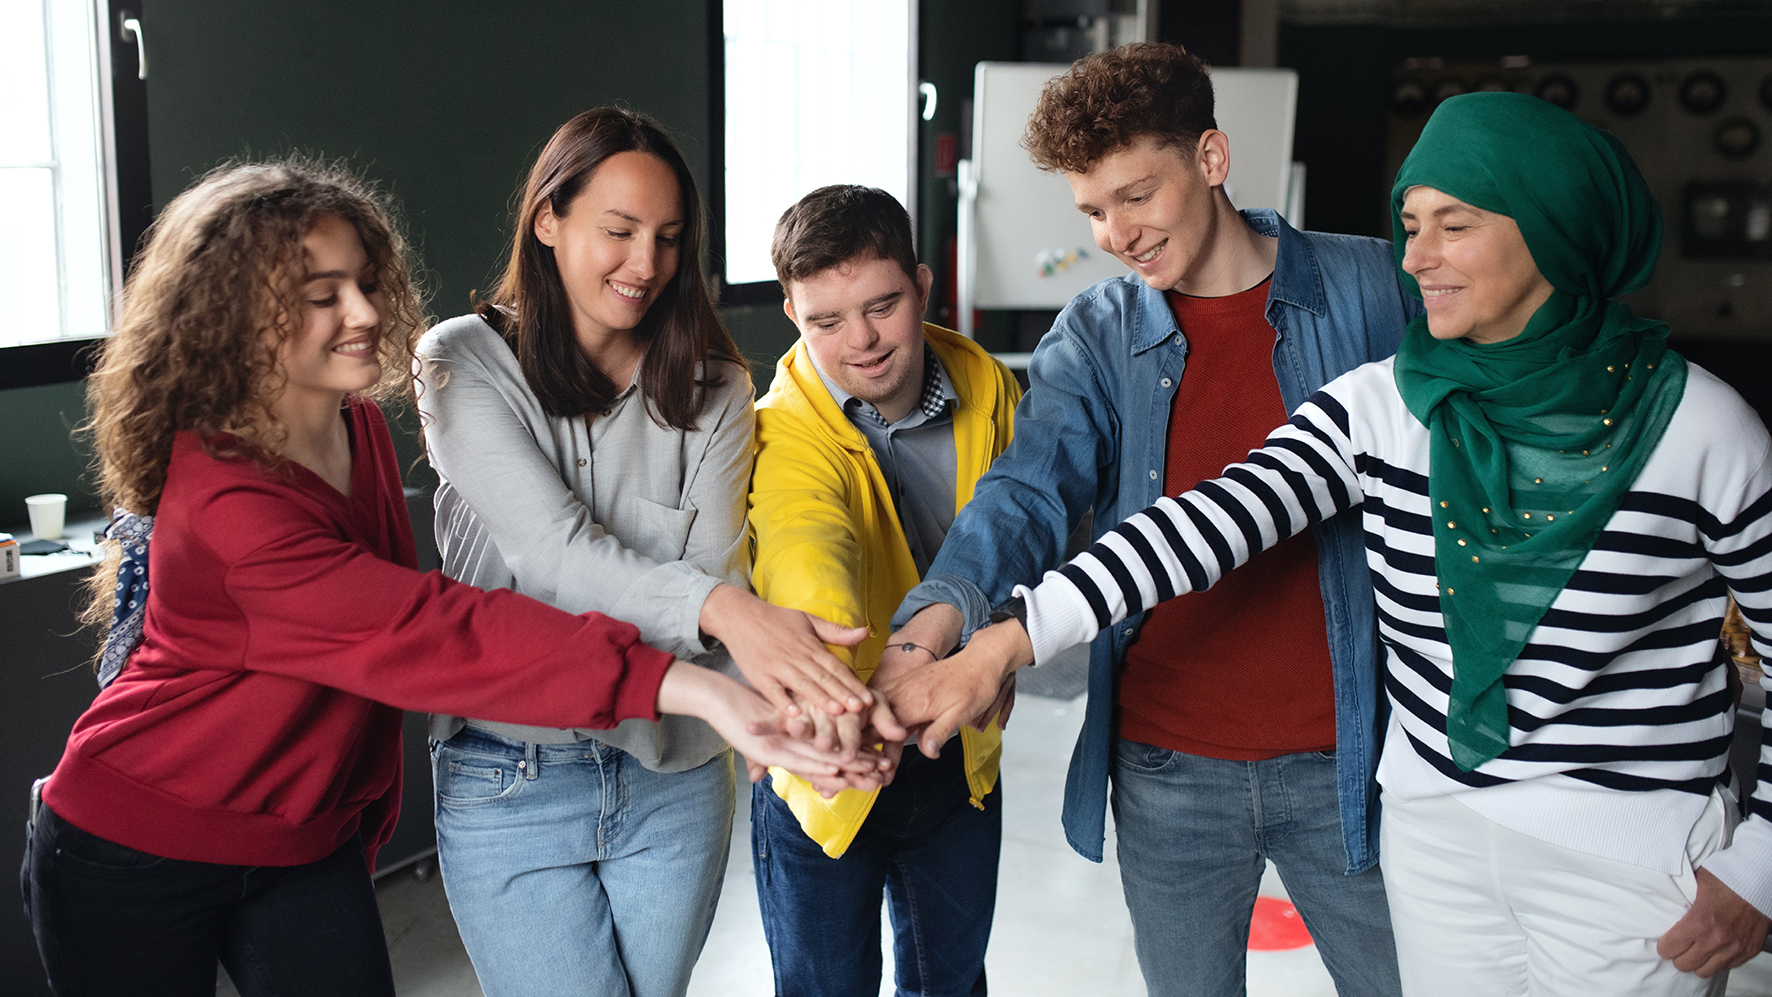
<point>1128,632</point>
<point>582,462</point>
<point>1179,341</point>
<point>1153,475</point>
<point>1165,382</point>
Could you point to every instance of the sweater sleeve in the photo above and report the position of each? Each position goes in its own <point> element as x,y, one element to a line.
<point>1736,527</point>
<point>479,437</point>
<point>1302,475</point>
<point>324,609</point>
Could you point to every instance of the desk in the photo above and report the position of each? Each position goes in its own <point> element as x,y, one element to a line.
<point>46,681</point>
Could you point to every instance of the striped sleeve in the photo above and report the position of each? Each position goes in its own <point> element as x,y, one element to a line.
<point>1738,538</point>
<point>1303,474</point>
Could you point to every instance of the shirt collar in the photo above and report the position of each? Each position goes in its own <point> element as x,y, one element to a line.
<point>938,393</point>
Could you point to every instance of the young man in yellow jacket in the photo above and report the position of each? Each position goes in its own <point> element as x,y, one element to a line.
<point>870,439</point>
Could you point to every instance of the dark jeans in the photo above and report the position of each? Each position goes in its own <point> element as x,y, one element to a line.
<point>926,845</point>
<point>112,920</point>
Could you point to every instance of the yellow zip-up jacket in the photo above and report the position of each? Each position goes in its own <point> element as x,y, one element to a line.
<point>829,540</point>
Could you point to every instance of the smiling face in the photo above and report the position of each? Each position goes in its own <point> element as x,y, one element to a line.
<point>862,322</point>
<point>333,350</point>
<point>1153,205</point>
<point>1478,280</point>
<point>617,244</point>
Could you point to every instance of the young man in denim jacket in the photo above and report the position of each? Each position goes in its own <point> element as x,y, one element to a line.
<point>1241,728</point>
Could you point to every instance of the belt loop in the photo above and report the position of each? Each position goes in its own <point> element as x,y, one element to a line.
<point>531,763</point>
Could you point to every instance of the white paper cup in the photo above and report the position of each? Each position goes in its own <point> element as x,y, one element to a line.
<point>47,514</point>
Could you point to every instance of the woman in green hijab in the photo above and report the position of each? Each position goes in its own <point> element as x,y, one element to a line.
<point>1556,506</point>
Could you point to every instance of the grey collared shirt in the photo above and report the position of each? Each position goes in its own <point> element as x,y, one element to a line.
<point>916,455</point>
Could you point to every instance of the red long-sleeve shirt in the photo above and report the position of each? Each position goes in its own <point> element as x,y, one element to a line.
<point>249,727</point>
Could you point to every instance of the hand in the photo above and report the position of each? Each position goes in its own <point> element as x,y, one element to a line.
<point>999,710</point>
<point>748,723</point>
<point>1720,932</point>
<point>945,694</point>
<point>847,735</point>
<point>929,635</point>
<point>782,652</point>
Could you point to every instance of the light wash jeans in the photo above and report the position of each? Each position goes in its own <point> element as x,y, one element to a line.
<point>1192,835</point>
<point>573,869</point>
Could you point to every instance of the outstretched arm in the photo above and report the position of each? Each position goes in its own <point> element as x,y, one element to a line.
<point>1024,509</point>
<point>1302,475</point>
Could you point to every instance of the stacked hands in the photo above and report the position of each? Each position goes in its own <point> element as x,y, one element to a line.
<point>808,713</point>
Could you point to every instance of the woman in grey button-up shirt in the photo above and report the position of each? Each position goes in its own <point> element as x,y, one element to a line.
<point>592,426</point>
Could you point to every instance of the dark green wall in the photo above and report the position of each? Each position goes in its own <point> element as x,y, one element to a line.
<point>37,452</point>
<point>444,102</point>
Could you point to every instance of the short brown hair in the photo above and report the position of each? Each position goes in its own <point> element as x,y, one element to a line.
<point>833,225</point>
<point>1110,98</point>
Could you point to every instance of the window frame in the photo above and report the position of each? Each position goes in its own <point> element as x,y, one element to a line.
<point>766,292</point>
<point>123,102</point>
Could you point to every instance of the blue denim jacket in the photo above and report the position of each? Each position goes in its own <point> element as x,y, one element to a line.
<point>1092,432</point>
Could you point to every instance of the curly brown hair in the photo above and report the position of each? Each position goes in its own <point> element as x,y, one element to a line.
<point>1110,98</point>
<point>213,295</point>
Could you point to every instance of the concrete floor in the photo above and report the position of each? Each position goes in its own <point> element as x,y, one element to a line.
<point>1061,926</point>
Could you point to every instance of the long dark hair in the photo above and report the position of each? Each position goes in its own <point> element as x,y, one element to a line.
<point>529,308</point>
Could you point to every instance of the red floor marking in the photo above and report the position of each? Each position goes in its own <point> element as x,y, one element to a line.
<point>1276,926</point>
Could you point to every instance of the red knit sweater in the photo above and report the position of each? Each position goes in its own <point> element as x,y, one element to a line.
<point>1240,671</point>
<point>249,726</point>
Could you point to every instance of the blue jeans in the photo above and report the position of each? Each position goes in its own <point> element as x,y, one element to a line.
<point>572,868</point>
<point>926,845</point>
<point>113,920</point>
<point>1193,833</point>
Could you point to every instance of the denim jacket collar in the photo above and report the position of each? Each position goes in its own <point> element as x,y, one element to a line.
<point>1297,281</point>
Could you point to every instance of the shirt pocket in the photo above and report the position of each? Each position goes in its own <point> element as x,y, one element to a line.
<point>660,531</point>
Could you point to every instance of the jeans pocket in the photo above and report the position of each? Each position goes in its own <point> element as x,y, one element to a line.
<point>470,780</point>
<point>80,851</point>
<point>1142,757</point>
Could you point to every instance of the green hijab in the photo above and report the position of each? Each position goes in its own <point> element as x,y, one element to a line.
<point>1533,441</point>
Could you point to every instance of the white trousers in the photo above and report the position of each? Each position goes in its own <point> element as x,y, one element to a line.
<point>1480,910</point>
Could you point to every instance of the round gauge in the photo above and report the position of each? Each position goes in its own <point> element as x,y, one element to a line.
<point>1408,98</point>
<point>1627,94</point>
<point>1766,93</point>
<point>1703,92</point>
<point>1737,138</point>
<point>1451,86</point>
<point>1559,90</point>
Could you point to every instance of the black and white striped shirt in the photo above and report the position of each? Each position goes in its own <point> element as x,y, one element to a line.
<point>1621,722</point>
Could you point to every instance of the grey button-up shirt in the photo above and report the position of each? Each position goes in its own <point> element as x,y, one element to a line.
<point>615,513</point>
<point>916,455</point>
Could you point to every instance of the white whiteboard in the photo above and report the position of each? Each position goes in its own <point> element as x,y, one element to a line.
<point>1030,246</point>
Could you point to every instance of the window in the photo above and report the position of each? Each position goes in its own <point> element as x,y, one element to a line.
<point>816,92</point>
<point>74,190</point>
<point>56,263</point>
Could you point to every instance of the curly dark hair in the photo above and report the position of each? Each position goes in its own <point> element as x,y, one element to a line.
<point>1110,98</point>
